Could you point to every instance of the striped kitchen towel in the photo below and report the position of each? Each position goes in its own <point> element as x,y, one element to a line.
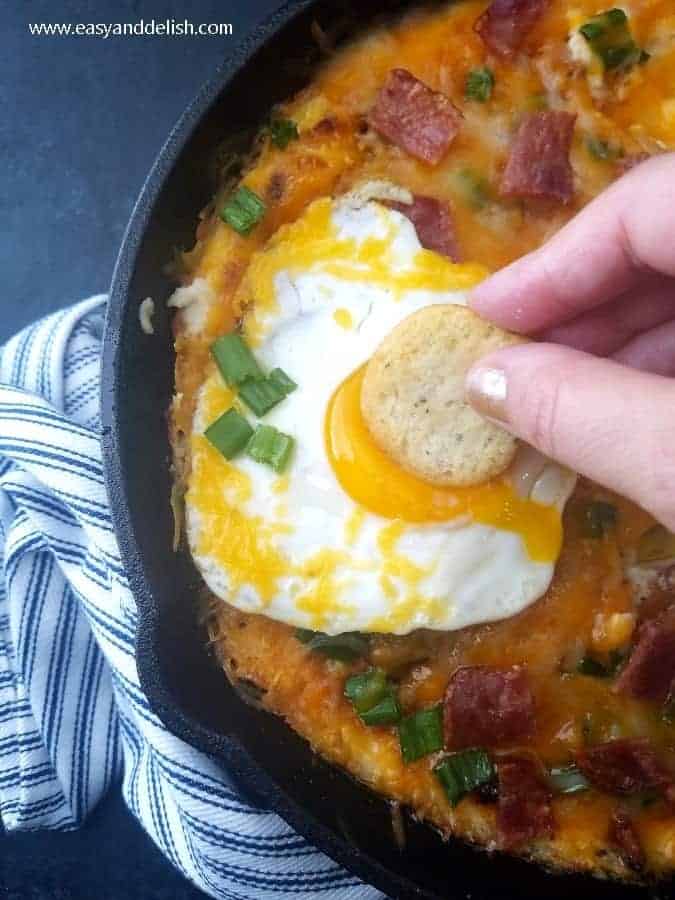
<point>73,717</point>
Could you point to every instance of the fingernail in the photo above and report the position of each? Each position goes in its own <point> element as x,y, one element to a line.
<point>486,391</point>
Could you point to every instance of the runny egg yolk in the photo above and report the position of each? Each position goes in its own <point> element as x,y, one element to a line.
<point>376,483</point>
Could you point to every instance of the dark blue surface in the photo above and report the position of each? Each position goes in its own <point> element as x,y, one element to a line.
<point>82,120</point>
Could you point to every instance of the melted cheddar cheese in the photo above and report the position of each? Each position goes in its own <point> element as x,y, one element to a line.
<point>378,484</point>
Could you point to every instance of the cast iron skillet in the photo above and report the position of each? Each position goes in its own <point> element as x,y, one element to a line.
<point>184,685</point>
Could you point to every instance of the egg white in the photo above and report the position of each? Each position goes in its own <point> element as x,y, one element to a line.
<point>441,575</point>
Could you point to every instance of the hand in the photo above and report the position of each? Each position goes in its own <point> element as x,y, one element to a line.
<point>598,395</point>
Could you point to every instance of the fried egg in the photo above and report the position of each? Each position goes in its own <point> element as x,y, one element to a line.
<point>346,540</point>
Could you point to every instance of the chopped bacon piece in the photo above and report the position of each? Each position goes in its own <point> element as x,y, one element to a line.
<point>623,835</point>
<point>433,223</point>
<point>524,808</point>
<point>487,707</point>
<point>418,120</point>
<point>624,766</point>
<point>626,163</point>
<point>539,164</point>
<point>650,671</point>
<point>506,23</point>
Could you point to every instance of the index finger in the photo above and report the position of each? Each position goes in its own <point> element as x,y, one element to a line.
<point>609,247</point>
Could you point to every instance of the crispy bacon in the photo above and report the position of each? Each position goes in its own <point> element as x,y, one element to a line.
<point>623,835</point>
<point>487,707</point>
<point>538,165</point>
<point>524,808</point>
<point>417,119</point>
<point>650,671</point>
<point>434,224</point>
<point>625,766</point>
<point>506,23</point>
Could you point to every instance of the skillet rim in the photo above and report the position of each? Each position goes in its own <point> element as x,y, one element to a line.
<point>226,749</point>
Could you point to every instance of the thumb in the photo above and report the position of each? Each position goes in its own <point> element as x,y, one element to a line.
<point>611,423</point>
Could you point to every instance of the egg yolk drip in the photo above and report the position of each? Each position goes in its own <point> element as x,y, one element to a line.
<point>313,243</point>
<point>378,484</point>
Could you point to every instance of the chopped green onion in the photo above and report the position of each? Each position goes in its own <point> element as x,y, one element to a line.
<point>568,780</point>
<point>611,40</point>
<point>271,447</point>
<point>479,84</point>
<point>282,132</point>
<point>603,149</point>
<point>655,545</point>
<point>304,635</point>
<point>366,689</point>
<point>474,189</point>
<point>343,647</point>
<point>421,733</point>
<point>591,667</point>
<point>234,359</point>
<point>229,434</point>
<point>260,395</point>
<point>598,519</point>
<point>462,773</point>
<point>373,697</point>
<point>243,210</point>
<point>238,366</point>
<point>386,712</point>
<point>282,381</point>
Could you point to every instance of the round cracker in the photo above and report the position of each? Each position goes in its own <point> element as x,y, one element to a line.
<point>412,397</point>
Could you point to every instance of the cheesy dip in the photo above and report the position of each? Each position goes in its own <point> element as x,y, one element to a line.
<point>496,657</point>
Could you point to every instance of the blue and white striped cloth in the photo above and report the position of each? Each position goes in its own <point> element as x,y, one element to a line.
<point>73,718</point>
